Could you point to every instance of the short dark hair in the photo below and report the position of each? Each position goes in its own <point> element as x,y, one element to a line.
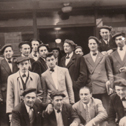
<point>49,54</point>
<point>87,87</point>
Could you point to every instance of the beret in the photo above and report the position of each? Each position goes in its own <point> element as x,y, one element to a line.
<point>4,47</point>
<point>29,90</point>
<point>55,48</point>
<point>25,42</point>
<point>120,82</point>
<point>77,47</point>
<point>46,45</point>
<point>21,59</point>
<point>58,93</point>
<point>95,38</point>
<point>106,27</point>
<point>70,42</point>
<point>118,34</point>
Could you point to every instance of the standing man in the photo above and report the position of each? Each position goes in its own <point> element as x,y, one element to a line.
<point>20,81</point>
<point>79,50</point>
<point>117,106</point>
<point>90,110</point>
<point>34,53</point>
<point>107,45</point>
<point>76,66</point>
<point>62,114</point>
<point>7,67</point>
<point>118,57</point>
<point>100,72</point>
<point>56,79</point>
<point>40,65</point>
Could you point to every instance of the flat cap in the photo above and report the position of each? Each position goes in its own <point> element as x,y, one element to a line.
<point>58,93</point>
<point>4,47</point>
<point>46,45</point>
<point>78,47</point>
<point>70,42</point>
<point>29,90</point>
<point>106,27</point>
<point>49,54</point>
<point>25,42</point>
<point>95,38</point>
<point>21,59</point>
<point>118,34</point>
<point>120,82</point>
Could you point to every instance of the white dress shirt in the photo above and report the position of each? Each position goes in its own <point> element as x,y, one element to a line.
<point>94,57</point>
<point>68,60</point>
<point>10,64</point>
<point>122,52</point>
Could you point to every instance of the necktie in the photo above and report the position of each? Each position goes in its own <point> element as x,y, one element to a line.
<point>123,99</point>
<point>24,75</point>
<point>58,111</point>
<point>121,48</point>
<point>87,114</point>
<point>94,54</point>
<point>9,61</point>
<point>52,69</point>
<point>67,57</point>
<point>31,115</point>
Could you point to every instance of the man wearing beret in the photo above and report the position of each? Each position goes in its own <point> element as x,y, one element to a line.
<point>118,57</point>
<point>30,111</point>
<point>20,81</point>
<point>76,66</point>
<point>117,106</point>
<point>56,78</point>
<point>34,53</point>
<point>107,45</point>
<point>7,67</point>
<point>40,65</point>
<point>100,72</point>
<point>79,50</point>
<point>62,114</point>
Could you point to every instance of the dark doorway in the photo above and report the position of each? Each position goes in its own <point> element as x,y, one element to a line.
<point>78,34</point>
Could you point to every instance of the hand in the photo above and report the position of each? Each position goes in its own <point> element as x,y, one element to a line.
<point>49,108</point>
<point>108,88</point>
<point>122,121</point>
<point>10,117</point>
<point>74,124</point>
<point>122,69</point>
<point>109,51</point>
<point>104,53</point>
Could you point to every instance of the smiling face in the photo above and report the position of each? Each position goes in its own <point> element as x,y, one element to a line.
<point>8,53</point>
<point>105,34</point>
<point>25,50</point>
<point>92,44</point>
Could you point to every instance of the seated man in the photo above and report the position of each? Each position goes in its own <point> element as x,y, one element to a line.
<point>90,110</point>
<point>28,112</point>
<point>62,114</point>
<point>117,106</point>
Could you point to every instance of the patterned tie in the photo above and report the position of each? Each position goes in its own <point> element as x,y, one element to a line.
<point>87,114</point>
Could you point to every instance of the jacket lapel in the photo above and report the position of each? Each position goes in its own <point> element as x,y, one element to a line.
<point>116,55</point>
<point>42,62</point>
<point>124,59</point>
<point>90,60</point>
<point>82,110</point>
<point>72,60</point>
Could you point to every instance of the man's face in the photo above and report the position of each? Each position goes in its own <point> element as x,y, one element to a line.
<point>79,51</point>
<point>67,48</point>
<point>92,44</point>
<point>85,95</point>
<point>105,34</point>
<point>121,91</point>
<point>8,53</point>
<point>35,45</point>
<point>57,102</point>
<point>43,51</point>
<point>29,99</point>
<point>120,41</point>
<point>25,50</point>
<point>56,53</point>
<point>51,62</point>
<point>24,66</point>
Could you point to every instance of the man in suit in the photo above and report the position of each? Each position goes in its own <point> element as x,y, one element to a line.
<point>90,110</point>
<point>100,77</point>
<point>7,67</point>
<point>62,114</point>
<point>40,65</point>
<point>34,53</point>
<point>118,57</point>
<point>20,81</point>
<point>107,45</point>
<point>56,79</point>
<point>76,66</point>
<point>29,112</point>
<point>117,106</point>
<point>79,50</point>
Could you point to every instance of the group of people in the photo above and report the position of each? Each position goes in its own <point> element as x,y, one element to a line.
<point>41,88</point>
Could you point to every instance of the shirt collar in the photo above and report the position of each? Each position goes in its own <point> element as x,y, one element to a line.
<point>23,73</point>
<point>7,59</point>
<point>92,53</point>
<point>124,48</point>
<point>27,108</point>
<point>70,55</point>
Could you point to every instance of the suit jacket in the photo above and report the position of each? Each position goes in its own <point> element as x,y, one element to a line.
<point>105,47</point>
<point>96,111</point>
<point>116,110</point>
<point>15,88</point>
<point>68,116</point>
<point>78,72</point>
<point>100,72</point>
<point>64,81</point>
<point>117,63</point>
<point>39,66</point>
<point>20,116</point>
<point>5,71</point>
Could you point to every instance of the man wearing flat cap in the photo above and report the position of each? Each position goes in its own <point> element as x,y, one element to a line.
<point>107,45</point>
<point>117,106</point>
<point>100,72</point>
<point>29,112</point>
<point>40,65</point>
<point>79,50</point>
<point>62,114</point>
<point>20,81</point>
<point>76,66</point>
<point>7,67</point>
<point>118,57</point>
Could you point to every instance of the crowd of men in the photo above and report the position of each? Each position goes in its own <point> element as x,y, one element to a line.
<point>42,88</point>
